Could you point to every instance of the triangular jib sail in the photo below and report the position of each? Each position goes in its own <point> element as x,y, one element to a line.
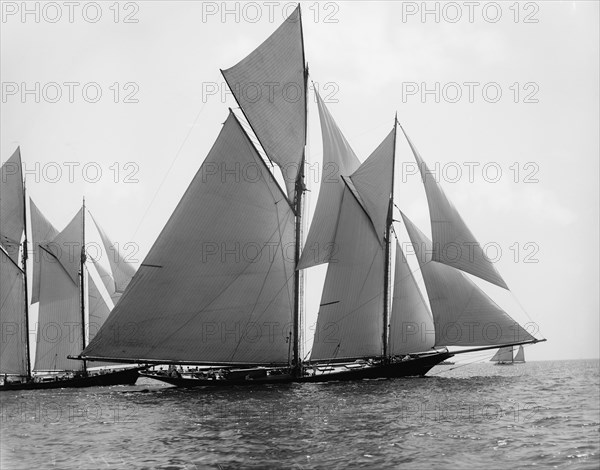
<point>464,315</point>
<point>453,242</point>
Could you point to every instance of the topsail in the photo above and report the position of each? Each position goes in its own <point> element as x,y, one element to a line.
<point>269,85</point>
<point>12,210</point>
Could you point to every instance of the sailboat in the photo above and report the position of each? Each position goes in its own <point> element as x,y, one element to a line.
<point>226,297</point>
<point>59,285</point>
<point>505,356</point>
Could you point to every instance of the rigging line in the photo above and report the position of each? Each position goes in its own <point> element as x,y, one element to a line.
<point>168,170</point>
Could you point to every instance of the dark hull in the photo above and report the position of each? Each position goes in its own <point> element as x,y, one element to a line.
<point>122,377</point>
<point>414,367</point>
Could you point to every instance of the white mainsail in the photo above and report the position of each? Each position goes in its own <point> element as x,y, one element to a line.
<point>12,211</point>
<point>13,347</point>
<point>60,329</point>
<point>503,355</point>
<point>42,231</point>
<point>464,315</point>
<point>411,322</point>
<point>338,160</point>
<point>453,242</point>
<point>349,322</point>
<point>216,285</point>
<point>269,85</point>
<point>59,320</point>
<point>13,301</point>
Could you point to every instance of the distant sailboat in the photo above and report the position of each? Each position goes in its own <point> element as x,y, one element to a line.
<point>506,356</point>
<point>201,299</point>
<point>58,286</point>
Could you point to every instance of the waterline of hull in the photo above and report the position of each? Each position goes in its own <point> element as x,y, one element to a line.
<point>414,367</point>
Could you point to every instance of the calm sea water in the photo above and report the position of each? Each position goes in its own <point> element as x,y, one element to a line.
<point>539,414</point>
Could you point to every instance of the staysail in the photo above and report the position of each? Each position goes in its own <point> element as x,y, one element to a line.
<point>121,270</point>
<point>42,231</point>
<point>269,85</point>
<point>453,242</point>
<point>338,160</point>
<point>12,212</point>
<point>13,347</point>
<point>463,314</point>
<point>411,323</point>
<point>216,285</point>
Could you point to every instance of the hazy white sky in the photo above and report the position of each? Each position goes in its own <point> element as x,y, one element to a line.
<point>533,150</point>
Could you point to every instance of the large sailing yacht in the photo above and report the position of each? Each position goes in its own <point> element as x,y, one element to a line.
<point>68,297</point>
<point>226,296</point>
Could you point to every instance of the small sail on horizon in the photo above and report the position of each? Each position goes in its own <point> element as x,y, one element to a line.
<point>503,355</point>
<point>520,356</point>
<point>269,85</point>
<point>453,242</point>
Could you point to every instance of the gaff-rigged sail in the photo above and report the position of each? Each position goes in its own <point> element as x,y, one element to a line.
<point>59,322</point>
<point>453,242</point>
<point>349,321</point>
<point>503,355</point>
<point>13,346</point>
<point>338,160</point>
<point>269,85</point>
<point>216,287</point>
<point>463,314</point>
<point>411,323</point>
<point>12,222</point>
<point>42,231</point>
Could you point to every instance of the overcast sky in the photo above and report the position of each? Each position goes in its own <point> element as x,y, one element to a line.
<point>511,120</point>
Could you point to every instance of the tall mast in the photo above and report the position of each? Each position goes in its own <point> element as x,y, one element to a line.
<point>24,255</point>
<point>82,285</point>
<point>299,193</point>
<point>387,268</point>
